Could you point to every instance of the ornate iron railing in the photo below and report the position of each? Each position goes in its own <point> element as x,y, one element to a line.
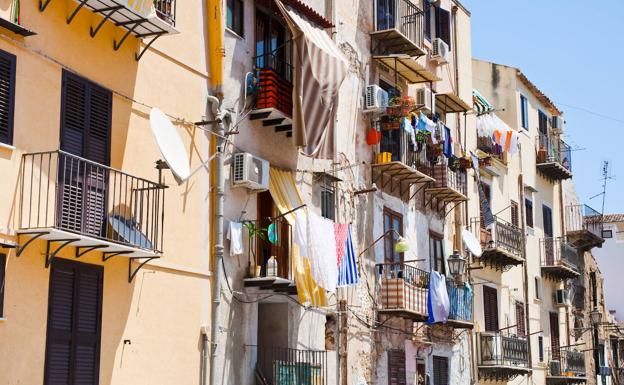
<point>460,298</point>
<point>557,252</point>
<point>497,349</point>
<point>405,149</point>
<point>166,10</point>
<point>401,287</point>
<point>447,178</point>
<point>402,15</point>
<point>583,218</point>
<point>285,366</point>
<point>64,191</point>
<point>551,149</point>
<point>567,362</point>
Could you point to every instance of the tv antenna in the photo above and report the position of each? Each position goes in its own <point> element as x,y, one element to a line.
<point>606,176</point>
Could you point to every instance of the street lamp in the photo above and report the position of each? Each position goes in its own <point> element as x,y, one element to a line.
<point>596,319</point>
<point>457,266</point>
<point>596,316</point>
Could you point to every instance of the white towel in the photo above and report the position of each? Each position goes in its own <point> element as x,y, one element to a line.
<point>235,235</point>
<point>439,305</point>
<point>321,251</point>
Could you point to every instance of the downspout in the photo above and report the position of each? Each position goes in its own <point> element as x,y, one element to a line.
<point>563,233</point>
<point>527,317</point>
<point>216,53</point>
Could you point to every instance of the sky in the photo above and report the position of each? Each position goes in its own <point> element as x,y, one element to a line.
<point>573,51</point>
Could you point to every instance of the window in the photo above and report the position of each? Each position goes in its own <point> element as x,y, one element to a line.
<point>2,283</point>
<point>520,321</point>
<point>543,122</point>
<point>443,25</point>
<point>235,16</point>
<point>440,370</point>
<point>601,355</point>
<point>528,208</point>
<point>392,221</point>
<point>540,347</point>
<point>548,226</point>
<point>490,308</point>
<point>396,367</point>
<point>436,253</point>
<point>328,203</point>
<point>615,353</point>
<point>7,96</point>
<point>488,196</point>
<point>538,287</point>
<point>554,336</point>
<point>74,323</point>
<point>427,11</point>
<point>524,111</point>
<point>594,288</point>
<point>271,48</point>
<point>515,217</point>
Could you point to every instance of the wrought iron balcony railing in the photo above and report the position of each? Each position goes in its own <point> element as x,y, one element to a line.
<point>460,298</point>
<point>166,10</point>
<point>501,237</point>
<point>402,288</point>
<point>281,366</point>
<point>406,150</point>
<point>497,349</point>
<point>66,192</point>
<point>567,362</point>
<point>404,17</point>
<point>554,157</point>
<point>584,225</point>
<point>445,178</point>
<point>559,258</point>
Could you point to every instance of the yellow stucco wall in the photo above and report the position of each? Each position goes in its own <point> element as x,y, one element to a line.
<point>161,312</point>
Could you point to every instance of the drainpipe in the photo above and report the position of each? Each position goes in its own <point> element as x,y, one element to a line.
<point>527,318</point>
<point>563,233</point>
<point>216,52</point>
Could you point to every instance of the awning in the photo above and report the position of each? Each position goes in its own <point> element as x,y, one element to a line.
<point>320,69</point>
<point>480,104</point>
<point>450,103</point>
<point>408,68</point>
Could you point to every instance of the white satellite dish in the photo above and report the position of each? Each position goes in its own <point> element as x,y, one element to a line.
<point>170,144</point>
<point>471,243</point>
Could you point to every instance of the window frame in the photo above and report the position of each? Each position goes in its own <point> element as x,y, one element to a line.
<point>12,60</point>
<point>328,197</point>
<point>538,288</point>
<point>434,259</point>
<point>238,10</point>
<point>529,219</point>
<point>515,213</point>
<point>444,361</point>
<point>540,348</point>
<point>547,220</point>
<point>389,237</point>
<point>524,112</point>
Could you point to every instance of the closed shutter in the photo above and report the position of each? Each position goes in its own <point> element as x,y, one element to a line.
<point>515,217</point>
<point>520,324</point>
<point>547,215</point>
<point>543,122</point>
<point>396,367</point>
<point>440,370</point>
<point>74,324</point>
<point>487,193</point>
<point>490,308</point>
<point>85,132</point>
<point>2,282</point>
<point>554,335</point>
<point>528,207</point>
<point>7,96</point>
<point>443,25</point>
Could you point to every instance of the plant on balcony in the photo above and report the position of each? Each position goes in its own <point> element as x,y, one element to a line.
<point>465,162</point>
<point>453,163</point>
<point>254,233</point>
<point>434,151</point>
<point>400,106</point>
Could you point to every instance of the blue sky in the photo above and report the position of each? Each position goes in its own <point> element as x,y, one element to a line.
<point>573,51</point>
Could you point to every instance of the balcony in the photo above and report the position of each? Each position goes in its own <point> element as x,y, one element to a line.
<point>502,357</point>
<point>554,158</point>
<point>281,366</point>
<point>449,186</point>
<point>401,290</point>
<point>559,259</point>
<point>67,200</point>
<point>148,19</point>
<point>566,366</point>
<point>502,244</point>
<point>405,164</point>
<point>274,105</point>
<point>261,274</point>
<point>584,226</point>
<point>398,28</point>
<point>460,299</point>
<point>619,376</point>
<point>487,145</point>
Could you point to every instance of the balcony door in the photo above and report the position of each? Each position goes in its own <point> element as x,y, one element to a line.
<point>72,354</point>
<point>393,228</point>
<point>86,110</point>
<point>554,336</point>
<point>549,246</point>
<point>490,308</point>
<point>271,38</point>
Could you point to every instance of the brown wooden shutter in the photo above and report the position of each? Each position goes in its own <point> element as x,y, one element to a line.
<point>520,323</point>
<point>2,282</point>
<point>515,217</point>
<point>487,192</point>
<point>440,370</point>
<point>74,324</point>
<point>554,335</point>
<point>490,308</point>
<point>7,96</point>
<point>396,367</point>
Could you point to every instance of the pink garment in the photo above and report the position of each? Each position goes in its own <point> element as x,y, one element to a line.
<point>341,232</point>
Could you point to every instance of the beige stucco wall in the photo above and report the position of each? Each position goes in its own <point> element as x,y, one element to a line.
<point>162,310</point>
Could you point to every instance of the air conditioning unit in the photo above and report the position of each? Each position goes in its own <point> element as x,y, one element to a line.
<point>424,97</point>
<point>250,171</point>
<point>375,98</point>
<point>561,298</point>
<point>557,124</point>
<point>440,51</point>
<point>555,368</point>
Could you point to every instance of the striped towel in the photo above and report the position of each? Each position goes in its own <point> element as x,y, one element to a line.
<point>347,272</point>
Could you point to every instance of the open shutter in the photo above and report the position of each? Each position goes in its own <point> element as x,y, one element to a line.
<point>554,335</point>
<point>74,324</point>
<point>440,370</point>
<point>490,308</point>
<point>515,217</point>
<point>521,329</point>
<point>396,367</point>
<point>7,96</point>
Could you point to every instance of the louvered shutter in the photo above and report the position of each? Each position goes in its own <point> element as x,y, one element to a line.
<point>440,370</point>
<point>7,96</point>
<point>515,217</point>
<point>85,132</point>
<point>490,308</point>
<point>554,335</point>
<point>74,324</point>
<point>396,367</point>
<point>520,324</point>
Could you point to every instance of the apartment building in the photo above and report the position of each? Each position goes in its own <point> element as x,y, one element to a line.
<point>99,284</point>
<point>608,257</point>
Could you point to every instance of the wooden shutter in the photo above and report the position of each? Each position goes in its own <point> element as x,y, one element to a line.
<point>554,335</point>
<point>487,193</point>
<point>7,96</point>
<point>74,324</point>
<point>440,370</point>
<point>547,215</point>
<point>443,25</point>
<point>515,217</point>
<point>490,308</point>
<point>2,282</point>
<point>520,322</point>
<point>543,122</point>
<point>396,367</point>
<point>528,206</point>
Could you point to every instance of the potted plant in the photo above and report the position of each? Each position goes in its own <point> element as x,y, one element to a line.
<point>254,233</point>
